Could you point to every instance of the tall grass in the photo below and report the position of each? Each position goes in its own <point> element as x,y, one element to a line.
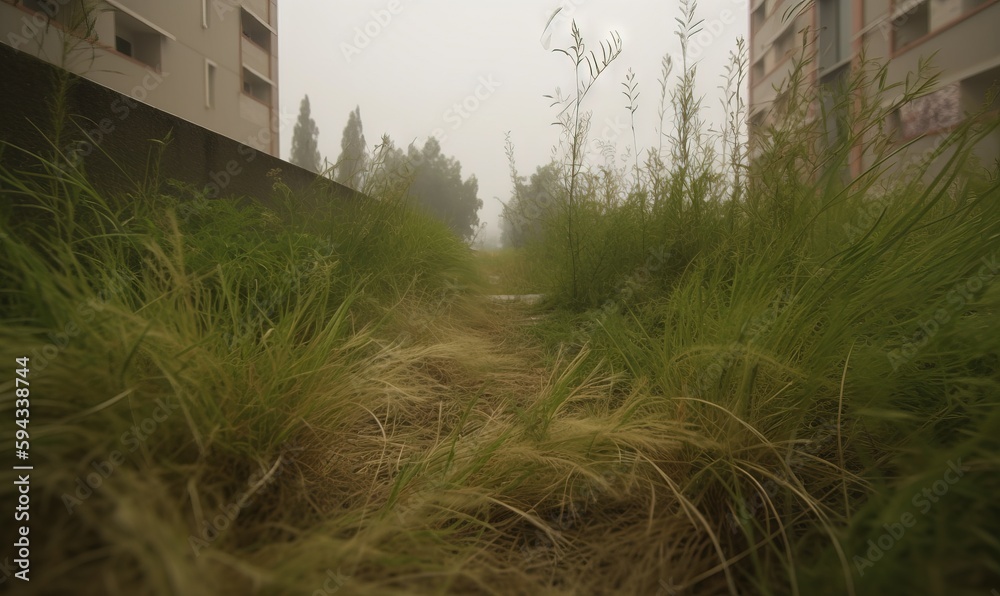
<point>183,351</point>
<point>829,339</point>
<point>759,376</point>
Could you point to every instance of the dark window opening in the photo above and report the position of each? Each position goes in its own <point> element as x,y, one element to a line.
<point>123,46</point>
<point>255,31</point>
<point>137,40</point>
<point>256,87</point>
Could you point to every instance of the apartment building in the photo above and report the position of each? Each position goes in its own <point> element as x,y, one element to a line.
<point>211,62</point>
<point>960,36</point>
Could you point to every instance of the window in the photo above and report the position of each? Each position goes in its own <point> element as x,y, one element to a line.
<point>123,46</point>
<point>783,44</point>
<point>255,31</point>
<point>210,69</point>
<point>914,19</point>
<point>834,32</point>
<point>137,40</point>
<point>256,87</point>
<point>975,89</point>
<point>758,17</point>
<point>945,11</point>
<point>835,104</point>
<point>910,22</point>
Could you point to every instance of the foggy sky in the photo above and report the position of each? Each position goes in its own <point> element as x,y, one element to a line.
<point>466,72</point>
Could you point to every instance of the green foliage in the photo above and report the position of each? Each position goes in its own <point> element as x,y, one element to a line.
<point>351,164</point>
<point>432,182</point>
<point>256,328</point>
<point>834,340</point>
<point>510,271</point>
<point>760,375</point>
<point>532,204</point>
<point>305,139</point>
<point>575,125</point>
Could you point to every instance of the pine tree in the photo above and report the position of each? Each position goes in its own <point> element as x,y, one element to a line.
<point>351,163</point>
<point>305,139</point>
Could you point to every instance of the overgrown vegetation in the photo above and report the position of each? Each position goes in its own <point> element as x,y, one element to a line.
<point>429,180</point>
<point>753,375</point>
<point>827,338</point>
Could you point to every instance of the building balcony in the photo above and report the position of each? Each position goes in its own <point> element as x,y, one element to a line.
<point>255,57</point>
<point>257,7</point>
<point>763,90</point>
<point>955,55</point>
<point>254,111</point>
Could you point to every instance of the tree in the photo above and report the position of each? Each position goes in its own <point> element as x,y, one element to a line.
<point>531,205</point>
<point>305,139</point>
<point>433,182</point>
<point>351,163</point>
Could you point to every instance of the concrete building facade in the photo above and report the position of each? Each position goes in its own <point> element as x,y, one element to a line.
<point>210,62</point>
<point>958,36</point>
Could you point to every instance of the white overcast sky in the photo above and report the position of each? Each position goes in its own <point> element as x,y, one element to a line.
<point>430,55</point>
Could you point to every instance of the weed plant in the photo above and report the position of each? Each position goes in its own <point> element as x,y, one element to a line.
<point>828,338</point>
<point>758,375</point>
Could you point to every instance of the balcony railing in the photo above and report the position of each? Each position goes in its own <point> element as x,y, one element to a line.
<point>258,8</point>
<point>253,110</point>
<point>255,56</point>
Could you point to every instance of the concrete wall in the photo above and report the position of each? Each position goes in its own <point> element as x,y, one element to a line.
<point>122,127</point>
